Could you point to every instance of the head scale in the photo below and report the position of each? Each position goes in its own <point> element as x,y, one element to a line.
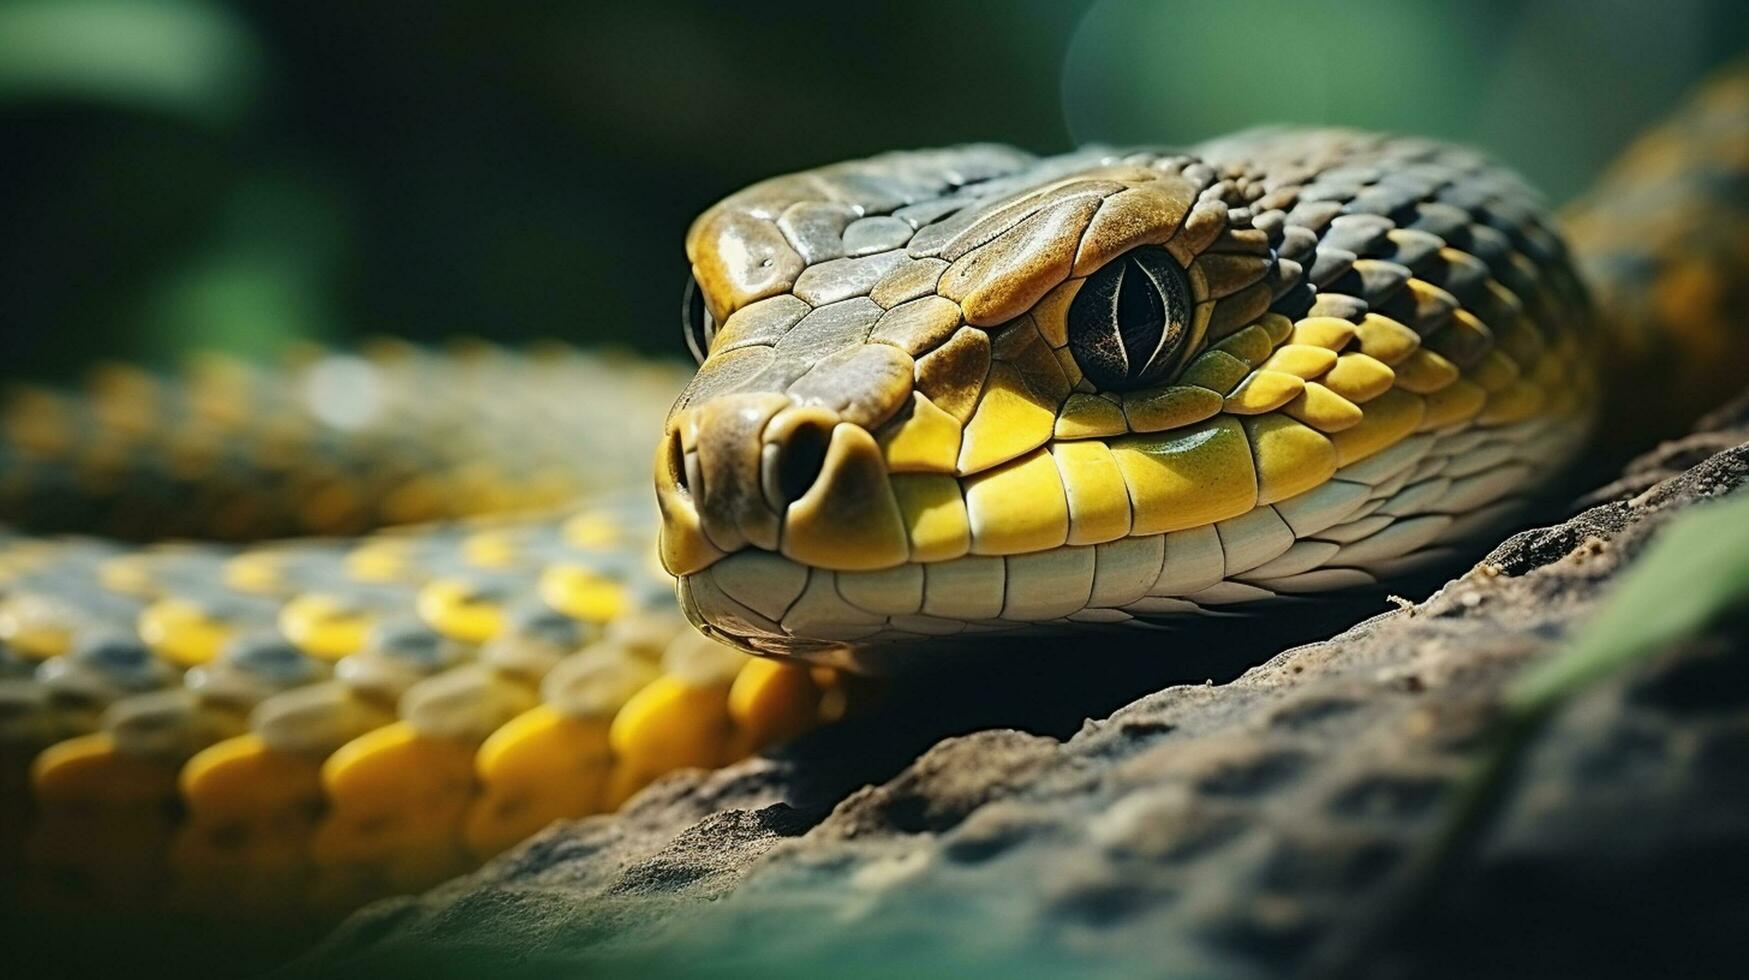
<point>968,390</point>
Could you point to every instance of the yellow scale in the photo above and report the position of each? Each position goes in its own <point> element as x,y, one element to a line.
<point>262,830</point>
<point>266,832</point>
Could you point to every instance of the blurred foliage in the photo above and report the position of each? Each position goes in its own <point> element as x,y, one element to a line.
<point>196,173</point>
<point>180,58</point>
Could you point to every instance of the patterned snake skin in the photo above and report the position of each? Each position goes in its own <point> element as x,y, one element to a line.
<point>941,402</point>
<point>943,395</point>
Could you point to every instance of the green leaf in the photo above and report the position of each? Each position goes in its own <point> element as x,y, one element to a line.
<point>1696,571</point>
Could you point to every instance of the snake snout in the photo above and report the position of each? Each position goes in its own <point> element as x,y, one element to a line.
<point>716,465</point>
<point>764,471</point>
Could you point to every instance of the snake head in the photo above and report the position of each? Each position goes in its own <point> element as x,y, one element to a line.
<point>969,390</point>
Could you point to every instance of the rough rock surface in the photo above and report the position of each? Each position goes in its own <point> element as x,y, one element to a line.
<point>1298,819</point>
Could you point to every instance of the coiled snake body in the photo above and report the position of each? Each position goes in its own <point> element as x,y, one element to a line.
<point>943,395</point>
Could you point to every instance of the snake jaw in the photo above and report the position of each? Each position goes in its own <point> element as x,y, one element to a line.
<point>890,340</point>
<point>966,391</point>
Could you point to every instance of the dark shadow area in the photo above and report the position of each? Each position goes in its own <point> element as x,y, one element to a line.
<point>1053,685</point>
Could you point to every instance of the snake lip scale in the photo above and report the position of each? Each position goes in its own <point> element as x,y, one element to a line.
<point>965,391</point>
<point>944,397</point>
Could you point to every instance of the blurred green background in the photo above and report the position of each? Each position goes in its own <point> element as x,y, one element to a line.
<point>186,173</point>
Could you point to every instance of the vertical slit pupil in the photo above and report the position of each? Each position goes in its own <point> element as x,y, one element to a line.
<point>1141,315</point>
<point>1128,323</point>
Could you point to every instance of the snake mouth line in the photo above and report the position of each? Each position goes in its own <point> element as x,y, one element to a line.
<point>1402,507</point>
<point>1108,386</point>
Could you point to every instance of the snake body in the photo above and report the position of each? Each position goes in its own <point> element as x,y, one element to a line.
<point>943,395</point>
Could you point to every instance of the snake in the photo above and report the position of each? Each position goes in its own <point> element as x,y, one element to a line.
<point>289,638</point>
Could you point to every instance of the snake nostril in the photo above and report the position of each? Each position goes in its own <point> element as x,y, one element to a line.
<point>799,460</point>
<point>677,464</point>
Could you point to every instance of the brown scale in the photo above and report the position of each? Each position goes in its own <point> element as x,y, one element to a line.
<point>1350,299</point>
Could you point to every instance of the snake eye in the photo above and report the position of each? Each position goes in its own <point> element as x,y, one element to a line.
<point>696,321</point>
<point>1129,322</point>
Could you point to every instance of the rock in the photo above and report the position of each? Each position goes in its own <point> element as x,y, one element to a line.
<point>1315,815</point>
